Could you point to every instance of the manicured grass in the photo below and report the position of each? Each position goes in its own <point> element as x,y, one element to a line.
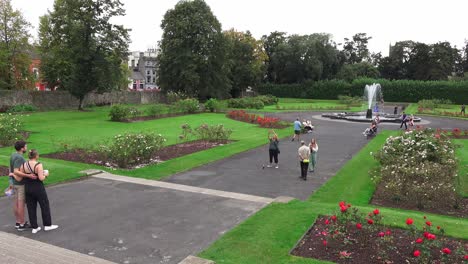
<point>294,104</point>
<point>52,130</point>
<point>462,154</point>
<point>413,109</point>
<point>269,235</point>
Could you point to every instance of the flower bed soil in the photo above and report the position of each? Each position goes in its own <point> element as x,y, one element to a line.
<point>166,153</point>
<point>363,247</point>
<point>379,199</point>
<point>4,171</point>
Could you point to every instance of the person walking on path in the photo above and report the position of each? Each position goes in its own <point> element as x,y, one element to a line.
<point>395,110</point>
<point>36,193</point>
<point>462,111</point>
<point>304,154</point>
<point>273,149</point>
<point>404,119</point>
<point>18,178</point>
<point>313,155</point>
<point>297,129</point>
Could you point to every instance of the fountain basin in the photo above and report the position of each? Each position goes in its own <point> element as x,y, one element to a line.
<point>361,117</point>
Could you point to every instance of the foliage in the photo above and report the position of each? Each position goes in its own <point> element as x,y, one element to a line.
<point>350,72</point>
<point>212,105</point>
<point>81,50</point>
<point>246,61</point>
<point>350,101</point>
<point>395,91</point>
<point>268,99</point>
<point>123,112</point>
<point>156,109</point>
<point>246,102</point>
<point>173,96</point>
<point>192,55</point>
<point>22,108</point>
<point>190,105</point>
<point>419,166</point>
<point>11,127</point>
<point>355,50</point>
<point>14,49</point>
<point>433,103</point>
<point>213,133</point>
<point>131,149</point>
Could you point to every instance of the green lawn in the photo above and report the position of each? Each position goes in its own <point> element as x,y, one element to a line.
<point>52,130</point>
<point>462,154</point>
<point>269,235</point>
<point>295,104</point>
<point>413,109</point>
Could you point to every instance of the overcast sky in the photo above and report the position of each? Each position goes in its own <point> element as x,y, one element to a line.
<point>427,21</point>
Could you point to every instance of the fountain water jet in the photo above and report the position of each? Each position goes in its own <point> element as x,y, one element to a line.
<point>373,94</point>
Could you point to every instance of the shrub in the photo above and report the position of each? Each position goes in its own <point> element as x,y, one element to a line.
<point>11,127</point>
<point>134,112</point>
<point>173,97</point>
<point>156,109</point>
<point>132,149</point>
<point>268,99</point>
<point>213,133</point>
<point>419,166</point>
<point>22,108</point>
<point>212,105</point>
<point>349,100</point>
<point>248,102</point>
<point>119,113</point>
<point>187,105</point>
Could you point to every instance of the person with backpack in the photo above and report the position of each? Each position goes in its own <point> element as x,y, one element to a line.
<point>36,193</point>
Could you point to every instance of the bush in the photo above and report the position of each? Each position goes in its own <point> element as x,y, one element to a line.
<point>134,112</point>
<point>213,133</point>
<point>247,102</point>
<point>173,97</point>
<point>119,113</point>
<point>187,105</point>
<point>268,99</point>
<point>349,100</point>
<point>22,108</point>
<point>419,166</point>
<point>212,105</point>
<point>11,127</point>
<point>132,149</point>
<point>156,109</point>
<point>394,90</point>
<point>427,104</point>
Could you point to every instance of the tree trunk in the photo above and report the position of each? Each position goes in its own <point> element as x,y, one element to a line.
<point>80,106</point>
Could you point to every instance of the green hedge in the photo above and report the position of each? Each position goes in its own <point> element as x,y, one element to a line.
<point>393,91</point>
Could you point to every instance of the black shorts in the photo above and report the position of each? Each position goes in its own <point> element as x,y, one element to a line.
<point>297,132</point>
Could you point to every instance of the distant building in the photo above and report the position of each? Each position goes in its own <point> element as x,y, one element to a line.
<point>34,69</point>
<point>143,68</point>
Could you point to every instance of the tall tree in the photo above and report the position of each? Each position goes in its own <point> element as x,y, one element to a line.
<point>246,58</point>
<point>355,49</point>
<point>271,44</point>
<point>14,48</point>
<point>82,51</point>
<point>193,51</point>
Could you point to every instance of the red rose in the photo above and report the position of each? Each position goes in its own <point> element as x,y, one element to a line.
<point>388,232</point>
<point>324,242</point>
<point>370,221</point>
<point>381,234</point>
<point>446,251</point>
<point>359,226</point>
<point>409,221</point>
<point>342,204</point>
<point>343,208</point>
<point>419,240</point>
<point>333,217</point>
<point>327,222</point>
<point>376,211</point>
<point>416,253</point>
<point>428,223</point>
<point>466,257</point>
<point>426,234</point>
<point>431,237</point>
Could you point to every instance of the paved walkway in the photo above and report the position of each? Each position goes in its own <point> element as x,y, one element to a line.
<point>130,220</point>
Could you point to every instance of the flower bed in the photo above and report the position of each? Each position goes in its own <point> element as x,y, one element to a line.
<point>266,122</point>
<point>4,171</point>
<point>441,113</point>
<point>352,237</point>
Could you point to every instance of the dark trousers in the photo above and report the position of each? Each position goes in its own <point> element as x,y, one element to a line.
<point>36,193</point>
<point>273,155</point>
<point>304,167</point>
<point>403,123</point>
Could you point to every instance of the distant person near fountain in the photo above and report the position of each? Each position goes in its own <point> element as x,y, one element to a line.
<point>297,129</point>
<point>462,111</point>
<point>404,119</point>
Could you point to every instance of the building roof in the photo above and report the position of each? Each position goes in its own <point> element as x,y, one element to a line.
<point>136,75</point>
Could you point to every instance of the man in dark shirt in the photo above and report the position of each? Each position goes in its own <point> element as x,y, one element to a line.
<point>16,161</point>
<point>462,109</point>
<point>404,119</point>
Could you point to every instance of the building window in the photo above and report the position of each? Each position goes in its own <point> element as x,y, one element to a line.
<point>134,86</point>
<point>154,79</point>
<point>141,86</point>
<point>36,73</point>
<point>148,72</point>
<point>154,72</point>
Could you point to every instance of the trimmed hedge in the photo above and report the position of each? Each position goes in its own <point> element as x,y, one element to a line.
<point>393,91</point>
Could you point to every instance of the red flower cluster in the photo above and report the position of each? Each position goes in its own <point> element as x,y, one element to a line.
<point>241,115</point>
<point>344,207</point>
<point>409,221</point>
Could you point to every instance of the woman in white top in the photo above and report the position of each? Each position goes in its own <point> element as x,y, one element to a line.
<point>313,154</point>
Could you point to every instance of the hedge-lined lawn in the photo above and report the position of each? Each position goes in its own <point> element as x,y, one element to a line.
<point>413,109</point>
<point>462,154</point>
<point>52,130</point>
<point>297,104</point>
<point>269,235</point>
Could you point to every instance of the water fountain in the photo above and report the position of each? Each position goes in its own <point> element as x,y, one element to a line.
<point>373,96</point>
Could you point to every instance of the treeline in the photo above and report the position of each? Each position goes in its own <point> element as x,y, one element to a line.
<point>394,90</point>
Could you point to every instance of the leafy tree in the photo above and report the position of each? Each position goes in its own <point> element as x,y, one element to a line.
<point>355,49</point>
<point>82,51</point>
<point>246,60</point>
<point>349,72</point>
<point>14,48</point>
<point>271,44</point>
<point>395,65</point>
<point>193,52</point>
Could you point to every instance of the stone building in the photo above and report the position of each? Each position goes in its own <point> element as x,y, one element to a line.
<point>143,68</point>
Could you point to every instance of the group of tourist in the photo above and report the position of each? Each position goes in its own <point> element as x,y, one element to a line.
<point>307,153</point>
<point>27,188</point>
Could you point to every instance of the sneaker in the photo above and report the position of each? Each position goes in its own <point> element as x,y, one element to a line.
<point>51,227</point>
<point>22,227</point>
<point>17,225</point>
<point>269,166</point>
<point>35,230</point>
<point>276,167</point>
